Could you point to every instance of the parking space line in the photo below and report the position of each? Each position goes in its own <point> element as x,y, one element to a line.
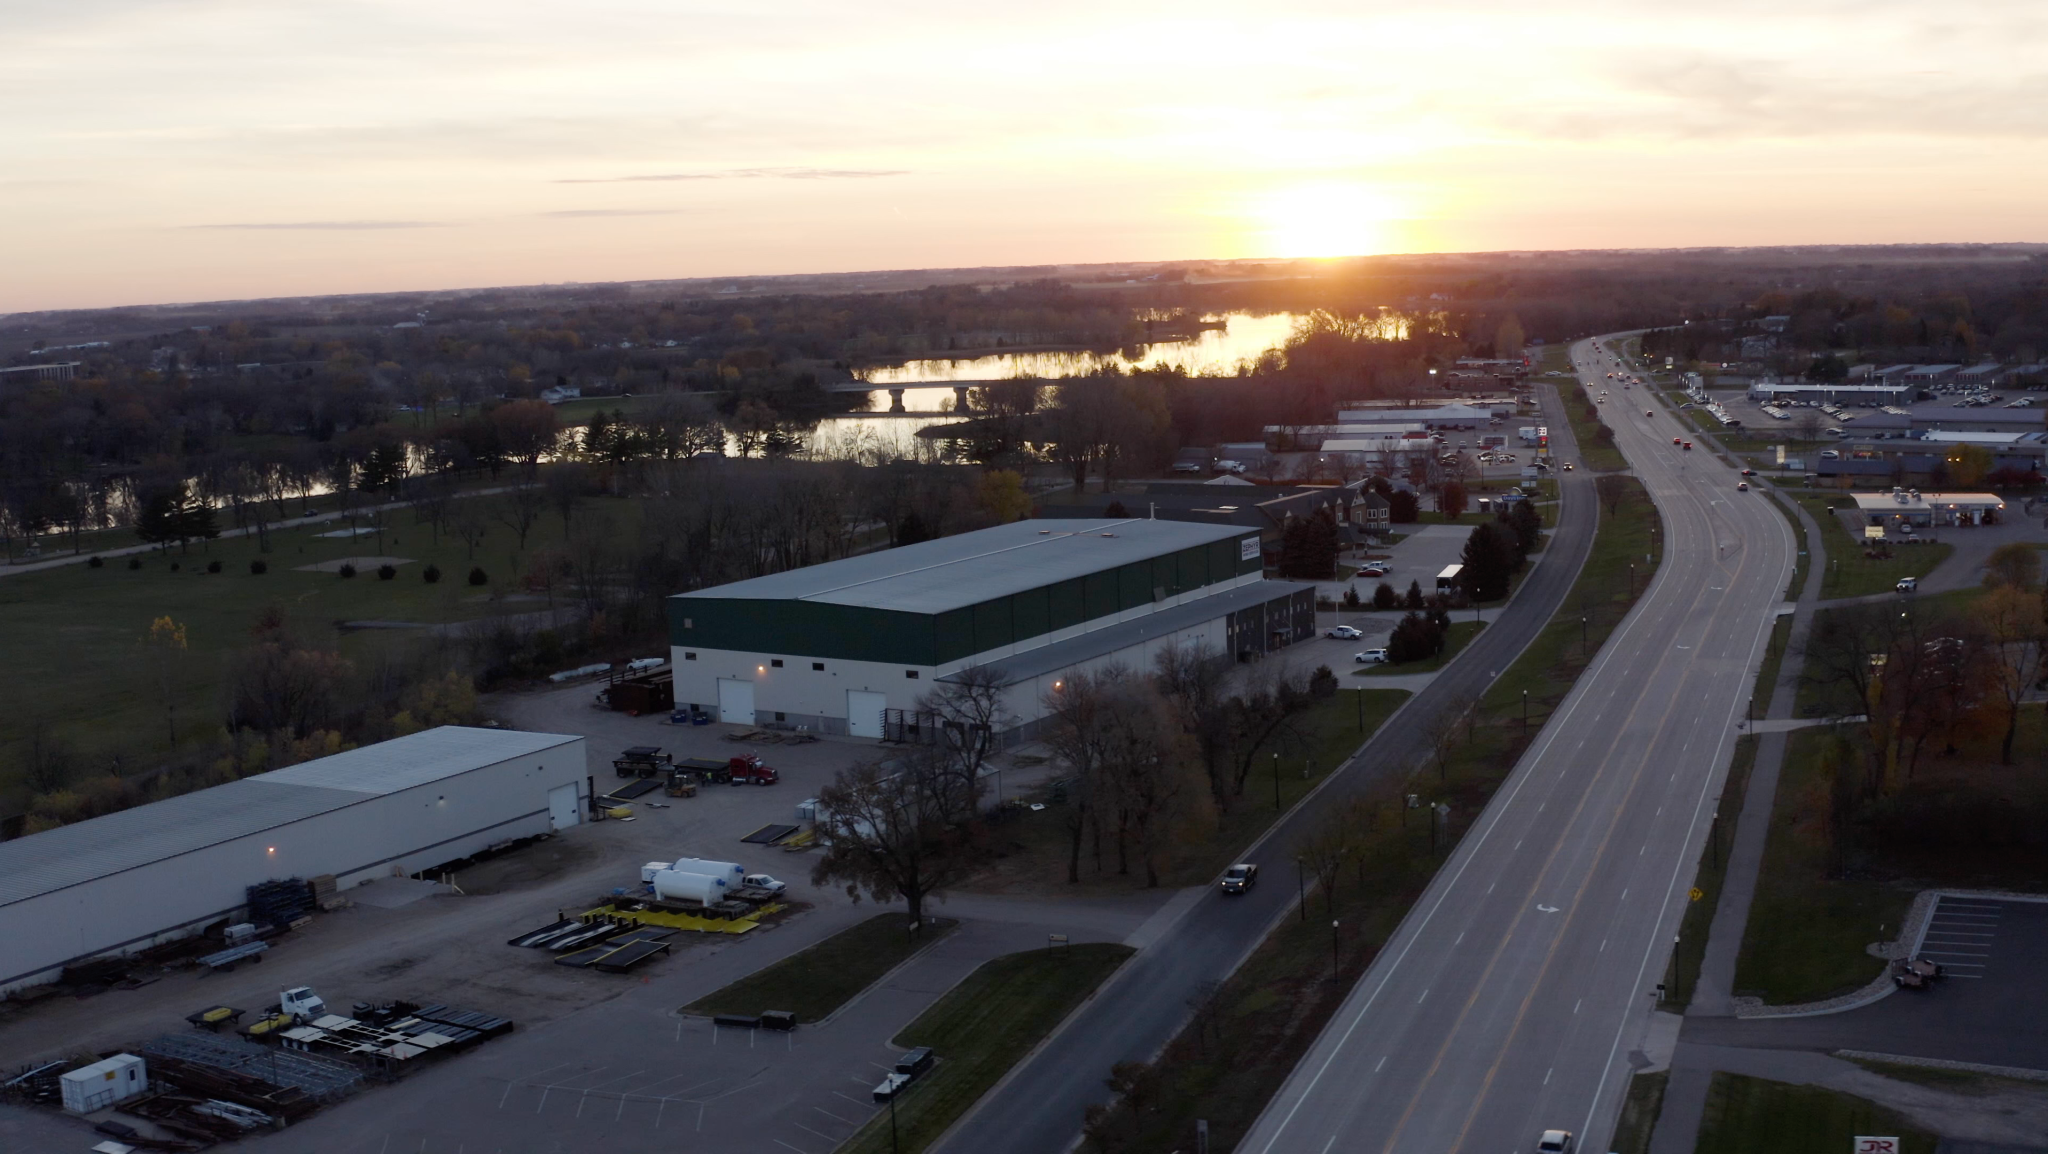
<point>821,1134</point>
<point>787,1146</point>
<point>834,1117</point>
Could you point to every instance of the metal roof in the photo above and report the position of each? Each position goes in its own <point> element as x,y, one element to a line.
<point>416,759</point>
<point>69,855</point>
<point>969,568</point>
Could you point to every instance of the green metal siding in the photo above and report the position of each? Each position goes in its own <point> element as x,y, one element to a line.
<point>993,625</point>
<point>1032,610</point>
<point>1066,605</point>
<point>850,633</point>
<point>955,635</point>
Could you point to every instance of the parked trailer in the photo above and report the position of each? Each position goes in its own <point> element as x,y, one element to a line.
<point>642,761</point>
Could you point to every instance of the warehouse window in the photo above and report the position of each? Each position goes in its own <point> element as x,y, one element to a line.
<point>779,716</point>
<point>689,624</point>
<point>911,674</point>
<point>689,657</point>
<point>776,662</point>
<point>818,666</point>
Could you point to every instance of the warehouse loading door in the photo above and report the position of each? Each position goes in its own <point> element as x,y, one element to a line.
<point>736,701</point>
<point>864,712</point>
<point>562,809</point>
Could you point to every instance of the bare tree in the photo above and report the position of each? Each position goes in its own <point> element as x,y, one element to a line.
<point>973,713</point>
<point>1193,679</point>
<point>518,509</point>
<point>889,831</point>
<point>2009,617</point>
<point>1332,843</point>
<point>1075,709</point>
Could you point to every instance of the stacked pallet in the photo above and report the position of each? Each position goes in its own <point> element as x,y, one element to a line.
<point>280,903</point>
<point>325,895</point>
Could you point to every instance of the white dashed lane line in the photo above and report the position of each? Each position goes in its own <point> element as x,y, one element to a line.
<point>1960,936</point>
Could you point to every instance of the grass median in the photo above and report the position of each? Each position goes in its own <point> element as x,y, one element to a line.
<point>1249,1033</point>
<point>1599,453</point>
<point>1639,1112</point>
<point>980,1029</point>
<point>818,980</point>
<point>1755,1116</point>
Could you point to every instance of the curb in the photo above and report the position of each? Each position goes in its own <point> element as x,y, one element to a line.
<point>2020,1072</point>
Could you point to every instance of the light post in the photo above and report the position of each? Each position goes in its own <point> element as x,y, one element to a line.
<point>1276,783</point>
<point>1334,964</point>
<point>1301,889</point>
<point>1525,713</point>
<point>1582,633</point>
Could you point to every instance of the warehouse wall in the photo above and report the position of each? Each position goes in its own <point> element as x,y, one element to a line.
<point>817,698</point>
<point>400,832</point>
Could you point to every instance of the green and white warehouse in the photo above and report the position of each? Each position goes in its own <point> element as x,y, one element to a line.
<point>849,646</point>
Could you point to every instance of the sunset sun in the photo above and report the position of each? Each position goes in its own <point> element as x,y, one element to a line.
<point>1333,219</point>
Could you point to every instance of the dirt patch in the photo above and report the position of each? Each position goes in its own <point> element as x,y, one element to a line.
<point>528,866</point>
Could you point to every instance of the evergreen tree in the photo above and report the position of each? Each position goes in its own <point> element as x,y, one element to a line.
<point>1414,599</point>
<point>1384,597</point>
<point>1489,560</point>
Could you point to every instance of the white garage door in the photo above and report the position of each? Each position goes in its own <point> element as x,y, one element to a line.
<point>562,808</point>
<point>736,701</point>
<point>864,712</point>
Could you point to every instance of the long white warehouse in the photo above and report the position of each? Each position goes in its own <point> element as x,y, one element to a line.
<point>129,880</point>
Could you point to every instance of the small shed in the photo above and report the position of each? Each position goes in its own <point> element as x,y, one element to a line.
<point>104,1083</point>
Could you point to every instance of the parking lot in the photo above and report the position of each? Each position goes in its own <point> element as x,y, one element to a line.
<point>1987,1009</point>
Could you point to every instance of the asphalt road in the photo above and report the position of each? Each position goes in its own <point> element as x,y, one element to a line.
<point>1039,1107</point>
<point>1510,999</point>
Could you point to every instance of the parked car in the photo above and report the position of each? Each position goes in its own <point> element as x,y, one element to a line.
<point>1240,877</point>
<point>1370,657</point>
<point>1343,633</point>
<point>1907,584</point>
<point>1749,472</point>
<point>1914,973</point>
<point>763,881</point>
<point>1187,466</point>
<point>1373,571</point>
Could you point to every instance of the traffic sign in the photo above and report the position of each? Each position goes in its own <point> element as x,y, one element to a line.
<point>1698,893</point>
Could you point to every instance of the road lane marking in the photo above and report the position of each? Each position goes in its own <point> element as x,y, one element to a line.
<point>1547,1074</point>
<point>1461,938</point>
<point>1546,909</point>
<point>1382,1062</point>
<point>1425,994</point>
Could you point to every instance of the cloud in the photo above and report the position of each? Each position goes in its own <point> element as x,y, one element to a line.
<point>322,225</point>
<point>572,212</point>
<point>745,174</point>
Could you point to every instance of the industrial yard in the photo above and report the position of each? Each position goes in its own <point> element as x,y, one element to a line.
<point>445,940</point>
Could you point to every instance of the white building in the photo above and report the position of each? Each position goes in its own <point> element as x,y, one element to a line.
<point>126,881</point>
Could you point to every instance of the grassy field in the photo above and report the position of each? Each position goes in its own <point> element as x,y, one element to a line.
<point>1849,573</point>
<point>815,982</point>
<point>1284,768</point>
<point>1807,929</point>
<point>1243,1044</point>
<point>1461,633</point>
<point>72,636</point>
<point>1639,1113</point>
<point>980,1029</point>
<point>1755,1116</point>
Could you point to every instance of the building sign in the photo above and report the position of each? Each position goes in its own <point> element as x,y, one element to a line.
<point>1248,549</point>
<point>1876,1146</point>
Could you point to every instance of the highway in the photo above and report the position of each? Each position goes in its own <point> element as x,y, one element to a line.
<point>1509,1000</point>
<point>1038,1108</point>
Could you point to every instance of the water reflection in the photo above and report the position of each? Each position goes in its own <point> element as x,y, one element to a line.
<point>1243,339</point>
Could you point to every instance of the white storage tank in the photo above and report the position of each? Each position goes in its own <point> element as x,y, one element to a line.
<point>677,886</point>
<point>729,871</point>
<point>104,1083</point>
<point>648,871</point>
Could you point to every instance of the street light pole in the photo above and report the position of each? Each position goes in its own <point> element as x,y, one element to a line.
<point>1276,783</point>
<point>1525,713</point>
<point>1334,964</point>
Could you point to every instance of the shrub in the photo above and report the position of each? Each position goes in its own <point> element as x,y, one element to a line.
<point>386,572</point>
<point>213,566</point>
<point>259,567</point>
<point>174,566</point>
<point>94,563</point>
<point>1323,682</point>
<point>476,577</point>
<point>346,570</point>
<point>431,574</point>
<point>135,562</point>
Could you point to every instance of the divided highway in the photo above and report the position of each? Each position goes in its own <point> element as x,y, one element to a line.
<point>1038,1108</point>
<point>1509,1000</point>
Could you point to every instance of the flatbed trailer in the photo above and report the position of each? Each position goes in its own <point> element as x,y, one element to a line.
<point>227,959</point>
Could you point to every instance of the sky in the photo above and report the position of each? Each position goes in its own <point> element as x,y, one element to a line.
<point>188,150</point>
